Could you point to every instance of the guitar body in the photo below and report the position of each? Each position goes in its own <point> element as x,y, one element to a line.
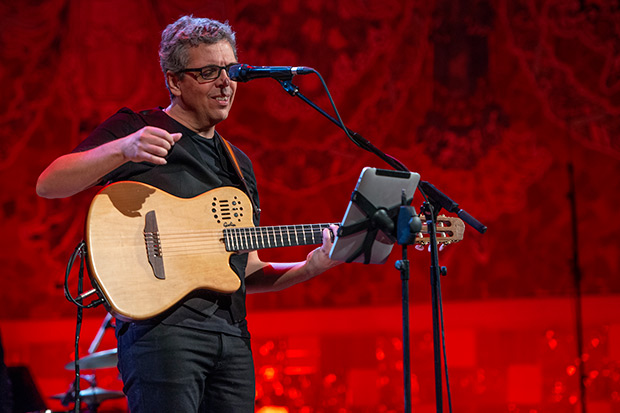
<point>186,252</point>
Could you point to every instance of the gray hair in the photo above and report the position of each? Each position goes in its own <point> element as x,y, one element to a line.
<point>186,32</point>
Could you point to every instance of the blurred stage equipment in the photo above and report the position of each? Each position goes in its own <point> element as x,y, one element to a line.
<point>92,396</point>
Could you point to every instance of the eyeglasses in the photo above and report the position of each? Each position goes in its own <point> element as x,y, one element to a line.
<point>210,72</point>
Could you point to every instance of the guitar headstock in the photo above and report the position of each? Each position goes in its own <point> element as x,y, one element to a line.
<point>449,230</point>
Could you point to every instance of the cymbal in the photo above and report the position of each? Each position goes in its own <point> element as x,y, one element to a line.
<point>91,395</point>
<point>98,360</point>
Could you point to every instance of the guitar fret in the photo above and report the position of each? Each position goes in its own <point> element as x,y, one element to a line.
<point>254,239</point>
<point>233,240</point>
<point>289,241</point>
<point>242,238</point>
<point>248,238</point>
<point>262,238</point>
<point>246,233</point>
<point>305,234</point>
<point>319,234</point>
<point>228,241</point>
<point>238,239</point>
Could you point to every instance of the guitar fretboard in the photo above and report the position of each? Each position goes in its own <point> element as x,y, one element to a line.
<point>255,238</point>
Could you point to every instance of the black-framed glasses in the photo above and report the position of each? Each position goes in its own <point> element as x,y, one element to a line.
<point>210,72</point>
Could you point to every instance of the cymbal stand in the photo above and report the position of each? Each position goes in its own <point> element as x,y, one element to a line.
<point>107,323</point>
<point>70,396</point>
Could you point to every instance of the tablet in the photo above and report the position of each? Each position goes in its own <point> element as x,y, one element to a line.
<point>382,189</point>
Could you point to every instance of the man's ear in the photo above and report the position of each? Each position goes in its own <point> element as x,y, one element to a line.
<point>173,83</point>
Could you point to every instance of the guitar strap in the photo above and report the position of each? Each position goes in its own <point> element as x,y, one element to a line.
<point>231,156</point>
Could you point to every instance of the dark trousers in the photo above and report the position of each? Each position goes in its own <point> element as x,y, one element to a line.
<point>177,369</point>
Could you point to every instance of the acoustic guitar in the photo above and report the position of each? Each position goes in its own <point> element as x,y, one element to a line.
<point>148,249</point>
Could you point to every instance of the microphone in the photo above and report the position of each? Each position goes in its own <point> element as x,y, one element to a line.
<point>244,73</point>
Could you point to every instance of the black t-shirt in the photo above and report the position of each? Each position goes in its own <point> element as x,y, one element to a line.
<point>194,165</point>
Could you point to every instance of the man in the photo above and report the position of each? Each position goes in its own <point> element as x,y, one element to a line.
<point>196,357</point>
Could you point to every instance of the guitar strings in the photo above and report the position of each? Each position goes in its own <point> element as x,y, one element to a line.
<point>212,241</point>
<point>174,244</point>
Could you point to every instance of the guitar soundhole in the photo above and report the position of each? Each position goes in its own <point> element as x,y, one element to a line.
<point>227,211</point>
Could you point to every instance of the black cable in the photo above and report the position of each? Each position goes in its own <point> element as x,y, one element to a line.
<point>359,140</point>
<point>355,137</point>
<point>78,328</point>
<point>329,96</point>
<point>443,345</point>
<point>80,251</point>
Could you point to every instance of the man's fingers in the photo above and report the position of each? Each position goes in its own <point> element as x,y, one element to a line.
<point>161,133</point>
<point>157,160</point>
<point>157,150</point>
<point>158,142</point>
<point>329,234</point>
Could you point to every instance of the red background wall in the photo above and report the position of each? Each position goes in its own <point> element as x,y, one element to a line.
<point>505,106</point>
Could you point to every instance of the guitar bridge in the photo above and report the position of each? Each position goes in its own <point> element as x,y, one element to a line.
<point>153,245</point>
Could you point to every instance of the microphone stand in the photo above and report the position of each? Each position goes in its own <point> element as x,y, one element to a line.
<point>435,199</point>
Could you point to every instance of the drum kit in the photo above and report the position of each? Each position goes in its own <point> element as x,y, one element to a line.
<point>93,396</point>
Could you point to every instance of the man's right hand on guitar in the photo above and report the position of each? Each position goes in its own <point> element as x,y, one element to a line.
<point>149,144</point>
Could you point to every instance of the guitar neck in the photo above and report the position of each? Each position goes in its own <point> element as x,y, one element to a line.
<point>449,230</point>
<point>256,238</point>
